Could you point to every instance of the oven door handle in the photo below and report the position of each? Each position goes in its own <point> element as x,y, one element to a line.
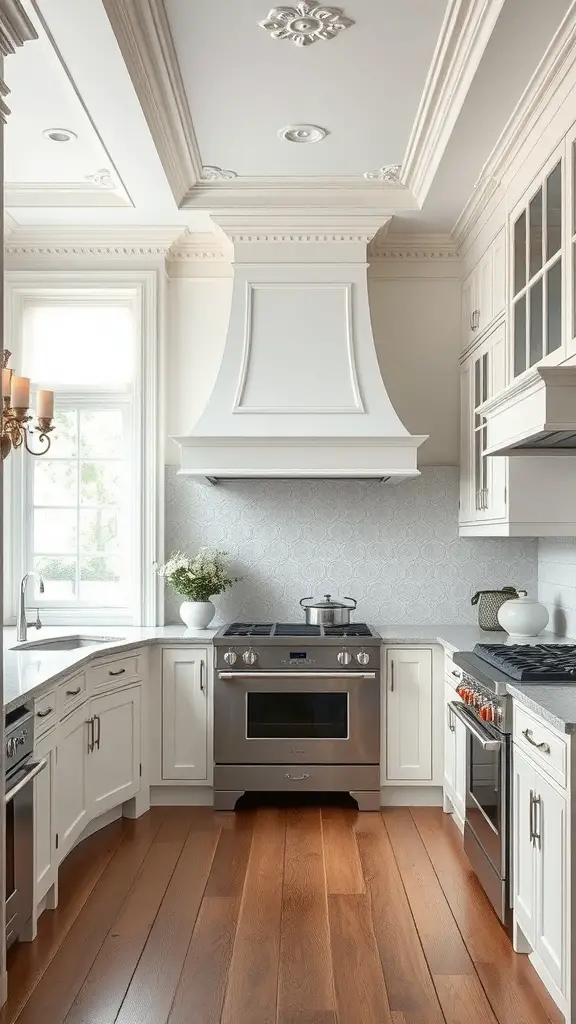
<point>484,738</point>
<point>35,768</point>
<point>296,675</point>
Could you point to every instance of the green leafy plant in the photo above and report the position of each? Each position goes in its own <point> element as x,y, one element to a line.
<point>199,578</point>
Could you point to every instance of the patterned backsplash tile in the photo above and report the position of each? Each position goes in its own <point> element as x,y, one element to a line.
<point>394,548</point>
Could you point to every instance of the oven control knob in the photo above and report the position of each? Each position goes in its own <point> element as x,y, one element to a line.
<point>344,657</point>
<point>362,657</point>
<point>250,657</point>
<point>230,657</point>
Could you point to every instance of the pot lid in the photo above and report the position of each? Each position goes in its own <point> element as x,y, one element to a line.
<point>328,602</point>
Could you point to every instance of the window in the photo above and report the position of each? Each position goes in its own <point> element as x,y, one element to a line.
<point>75,513</point>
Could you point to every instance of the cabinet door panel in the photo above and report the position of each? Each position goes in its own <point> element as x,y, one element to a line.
<point>114,764</point>
<point>45,818</point>
<point>460,742</point>
<point>409,718</point>
<point>499,274</point>
<point>185,714</point>
<point>466,514</point>
<point>71,779</point>
<point>523,847</point>
<point>449,741</point>
<point>485,301</point>
<point>551,888</point>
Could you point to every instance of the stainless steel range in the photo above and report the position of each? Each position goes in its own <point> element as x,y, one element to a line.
<point>487,715</point>
<point>297,708</point>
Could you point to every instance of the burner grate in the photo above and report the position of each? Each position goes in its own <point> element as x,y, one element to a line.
<point>353,629</point>
<point>249,629</point>
<point>531,662</point>
<point>296,629</point>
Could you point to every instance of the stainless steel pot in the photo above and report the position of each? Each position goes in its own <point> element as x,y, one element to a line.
<point>328,612</point>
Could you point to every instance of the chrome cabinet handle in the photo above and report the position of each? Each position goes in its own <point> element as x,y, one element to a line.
<point>531,816</point>
<point>97,741</point>
<point>391,677</point>
<point>296,778</point>
<point>544,747</point>
<point>73,693</point>
<point>120,672</point>
<point>202,687</point>
<point>90,724</point>
<point>45,713</point>
<point>450,719</point>
<point>537,805</point>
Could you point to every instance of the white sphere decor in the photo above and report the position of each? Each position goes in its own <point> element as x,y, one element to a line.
<point>523,616</point>
<point>197,614</point>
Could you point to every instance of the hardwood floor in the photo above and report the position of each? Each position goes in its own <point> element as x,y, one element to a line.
<point>296,916</point>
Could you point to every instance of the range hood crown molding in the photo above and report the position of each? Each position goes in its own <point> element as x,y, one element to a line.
<point>534,415</point>
<point>299,391</point>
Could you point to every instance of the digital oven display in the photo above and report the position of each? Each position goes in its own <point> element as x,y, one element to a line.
<point>297,655</point>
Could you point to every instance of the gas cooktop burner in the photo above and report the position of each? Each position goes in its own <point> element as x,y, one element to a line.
<point>531,662</point>
<point>295,629</point>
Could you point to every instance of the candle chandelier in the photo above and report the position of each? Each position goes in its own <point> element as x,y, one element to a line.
<point>17,428</point>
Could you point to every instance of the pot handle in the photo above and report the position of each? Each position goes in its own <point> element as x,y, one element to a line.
<point>302,599</point>
<point>354,603</point>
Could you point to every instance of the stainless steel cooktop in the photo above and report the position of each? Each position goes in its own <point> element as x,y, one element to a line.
<point>270,632</point>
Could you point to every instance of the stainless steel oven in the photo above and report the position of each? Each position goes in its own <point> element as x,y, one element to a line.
<point>298,714</point>
<point>486,829</point>
<point>21,770</point>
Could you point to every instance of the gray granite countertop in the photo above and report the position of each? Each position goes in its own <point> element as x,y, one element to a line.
<point>554,702</point>
<point>459,638</point>
<point>28,672</point>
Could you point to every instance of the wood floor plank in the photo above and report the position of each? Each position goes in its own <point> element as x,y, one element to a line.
<point>253,977</point>
<point>360,990</point>
<point>65,975</point>
<point>515,992</point>
<point>155,979</point>
<point>79,873</point>
<point>305,985</point>
<point>103,991</point>
<point>343,869</point>
<point>455,979</point>
<point>229,865</point>
<point>411,993</point>
<point>200,993</point>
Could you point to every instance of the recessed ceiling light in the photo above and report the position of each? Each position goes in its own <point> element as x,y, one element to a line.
<point>305,134</point>
<point>59,134</point>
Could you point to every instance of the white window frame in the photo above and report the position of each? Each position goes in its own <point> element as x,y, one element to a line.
<point>146,290</point>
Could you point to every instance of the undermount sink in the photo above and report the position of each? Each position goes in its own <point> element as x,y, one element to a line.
<point>66,643</point>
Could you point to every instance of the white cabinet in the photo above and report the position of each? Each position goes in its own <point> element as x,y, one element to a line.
<point>454,757</point>
<point>114,764</point>
<point>45,857</point>
<point>409,714</point>
<point>185,719</point>
<point>540,869</point>
<point>484,292</point>
<point>71,779</point>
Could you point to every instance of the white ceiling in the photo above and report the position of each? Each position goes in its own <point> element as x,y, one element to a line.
<point>238,87</point>
<point>363,86</point>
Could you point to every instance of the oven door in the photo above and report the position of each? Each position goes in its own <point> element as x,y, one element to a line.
<point>288,717</point>
<point>486,786</point>
<point>19,799</point>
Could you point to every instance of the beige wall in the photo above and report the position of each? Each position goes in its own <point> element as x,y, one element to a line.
<point>416,324</point>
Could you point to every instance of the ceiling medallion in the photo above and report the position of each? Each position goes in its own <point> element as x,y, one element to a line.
<point>213,173</point>
<point>59,135</point>
<point>390,172</point>
<point>101,178</point>
<point>303,133</point>
<point>305,23</point>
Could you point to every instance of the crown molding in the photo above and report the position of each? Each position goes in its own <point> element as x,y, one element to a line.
<point>465,32</point>
<point>412,248</point>
<point>556,63</point>
<point>143,35</point>
<point>15,30</point>
<point>55,243</point>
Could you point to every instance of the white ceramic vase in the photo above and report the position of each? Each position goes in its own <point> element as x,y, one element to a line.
<point>197,614</point>
<point>523,616</point>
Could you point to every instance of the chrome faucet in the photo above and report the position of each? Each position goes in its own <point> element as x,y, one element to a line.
<point>22,619</point>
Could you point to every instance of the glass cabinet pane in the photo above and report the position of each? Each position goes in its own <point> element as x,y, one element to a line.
<point>535,240</point>
<point>520,253</point>
<point>554,211</point>
<point>536,323</point>
<point>554,306</point>
<point>520,336</point>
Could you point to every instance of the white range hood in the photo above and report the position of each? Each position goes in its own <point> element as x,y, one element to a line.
<point>534,415</point>
<point>299,391</point>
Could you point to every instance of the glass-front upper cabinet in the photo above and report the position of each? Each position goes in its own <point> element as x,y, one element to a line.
<point>572,245</point>
<point>537,292</point>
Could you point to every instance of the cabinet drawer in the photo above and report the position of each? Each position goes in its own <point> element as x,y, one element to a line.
<point>540,743</point>
<point>70,693</point>
<point>114,673</point>
<point>45,713</point>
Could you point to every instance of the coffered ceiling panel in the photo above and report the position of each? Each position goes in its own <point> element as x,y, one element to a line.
<point>360,82</point>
